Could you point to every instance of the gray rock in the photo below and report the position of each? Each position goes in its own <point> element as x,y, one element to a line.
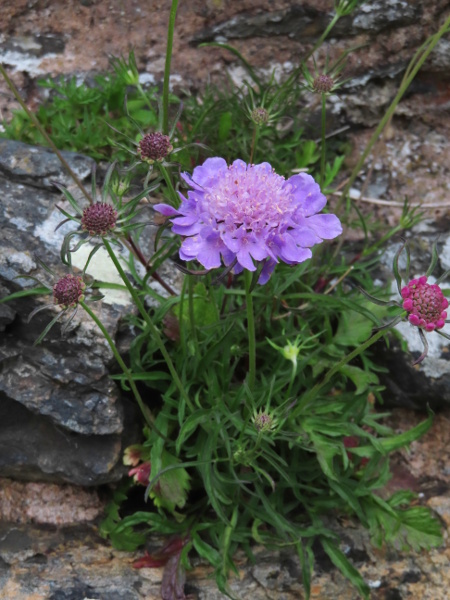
<point>309,23</point>
<point>39,167</point>
<point>65,417</point>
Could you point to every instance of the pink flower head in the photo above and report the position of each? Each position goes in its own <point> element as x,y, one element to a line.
<point>247,213</point>
<point>425,304</point>
<point>141,473</point>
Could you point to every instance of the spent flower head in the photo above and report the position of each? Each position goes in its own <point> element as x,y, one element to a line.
<point>242,214</point>
<point>424,303</point>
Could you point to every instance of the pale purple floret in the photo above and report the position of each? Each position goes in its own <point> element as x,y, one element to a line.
<point>248,214</point>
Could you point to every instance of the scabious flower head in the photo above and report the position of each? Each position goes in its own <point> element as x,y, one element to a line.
<point>99,218</point>
<point>69,291</point>
<point>244,213</point>
<point>154,147</point>
<point>425,304</point>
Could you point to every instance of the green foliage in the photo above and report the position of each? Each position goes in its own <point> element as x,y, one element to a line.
<point>78,115</point>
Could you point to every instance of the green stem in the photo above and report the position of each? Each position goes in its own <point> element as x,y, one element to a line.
<point>153,329</point>
<point>254,143</point>
<point>192,326</point>
<point>146,412</point>
<point>323,147</point>
<point>412,72</point>
<point>322,38</point>
<point>167,178</point>
<point>251,331</point>
<point>173,13</point>
<point>291,382</point>
<point>42,131</point>
<point>144,96</point>
<point>312,393</point>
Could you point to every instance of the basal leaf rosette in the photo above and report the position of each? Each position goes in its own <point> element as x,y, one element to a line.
<point>242,214</point>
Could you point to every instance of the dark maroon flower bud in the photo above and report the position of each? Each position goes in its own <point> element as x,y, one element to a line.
<point>99,218</point>
<point>69,290</point>
<point>154,147</point>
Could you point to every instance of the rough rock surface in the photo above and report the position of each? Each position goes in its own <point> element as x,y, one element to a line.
<point>60,420</point>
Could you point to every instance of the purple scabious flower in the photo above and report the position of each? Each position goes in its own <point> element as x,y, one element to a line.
<point>241,214</point>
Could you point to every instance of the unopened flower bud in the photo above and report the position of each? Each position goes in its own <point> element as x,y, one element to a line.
<point>260,116</point>
<point>323,84</point>
<point>154,147</point>
<point>99,218</point>
<point>132,455</point>
<point>263,422</point>
<point>69,290</point>
<point>141,473</point>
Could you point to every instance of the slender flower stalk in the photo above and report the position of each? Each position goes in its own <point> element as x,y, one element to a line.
<point>173,14</point>
<point>146,412</point>
<point>250,331</point>
<point>153,329</point>
<point>323,145</point>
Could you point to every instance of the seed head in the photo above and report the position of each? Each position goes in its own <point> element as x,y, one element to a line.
<point>260,116</point>
<point>99,218</point>
<point>69,290</point>
<point>323,84</point>
<point>154,147</point>
<point>425,304</point>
